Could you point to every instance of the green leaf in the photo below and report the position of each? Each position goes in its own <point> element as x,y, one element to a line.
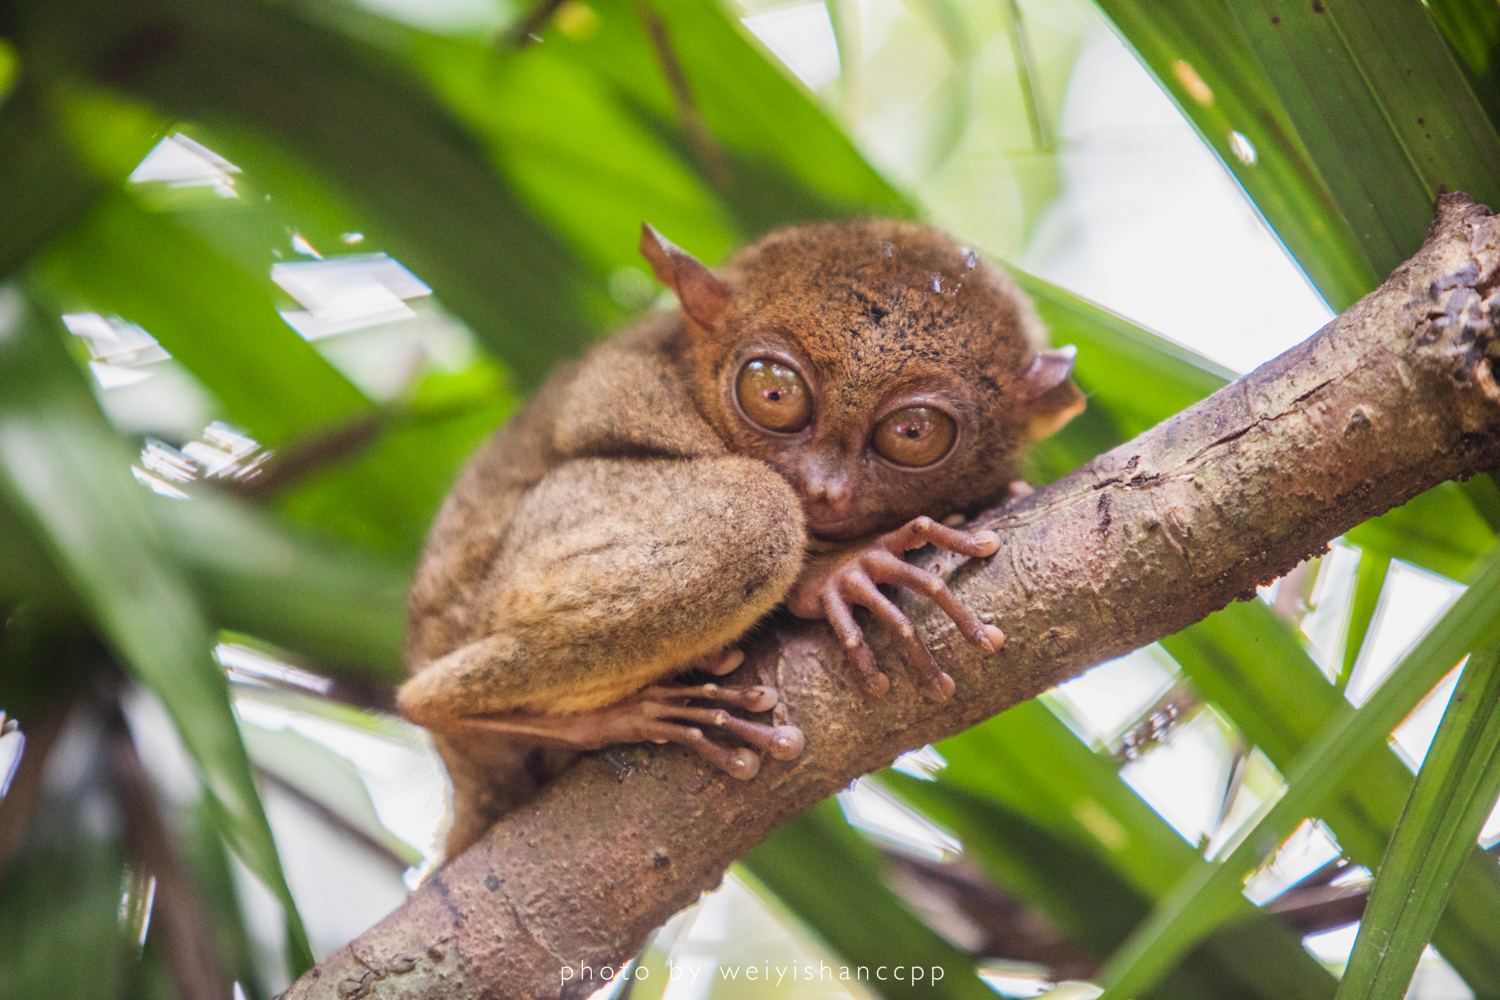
<point>414,463</point>
<point>60,463</point>
<point>1028,762</point>
<point>217,321</point>
<point>25,572</point>
<point>365,129</point>
<point>1133,378</point>
<point>596,181</point>
<point>1205,897</point>
<point>1369,579</point>
<point>1085,895</point>
<point>831,879</point>
<point>1251,663</point>
<point>1204,61</point>
<point>344,606</point>
<point>43,185</point>
<point>58,927</point>
<point>1452,797</point>
<point>1438,530</point>
<point>1472,28</point>
<point>787,160</point>
<point>1376,77</point>
<point>221,323</point>
<point>1142,377</point>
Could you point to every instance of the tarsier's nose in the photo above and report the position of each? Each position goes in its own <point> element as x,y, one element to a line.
<point>827,486</point>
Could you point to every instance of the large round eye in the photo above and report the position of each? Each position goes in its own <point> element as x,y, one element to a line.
<point>774,396</point>
<point>916,435</point>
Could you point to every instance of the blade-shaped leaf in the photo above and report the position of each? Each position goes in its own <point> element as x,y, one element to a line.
<point>1439,530</point>
<point>1202,58</point>
<point>1116,358</point>
<point>1081,890</point>
<point>1452,797</point>
<point>1369,578</point>
<point>60,463</point>
<point>58,927</point>
<point>342,605</point>
<point>1141,376</point>
<point>1472,30</point>
<point>1249,662</point>
<point>1205,897</point>
<point>830,878</point>
<point>777,141</point>
<point>1376,77</point>
<point>364,128</point>
<point>43,185</point>
<point>216,321</point>
<point>596,182</point>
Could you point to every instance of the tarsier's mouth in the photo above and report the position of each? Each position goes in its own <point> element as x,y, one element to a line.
<point>832,531</point>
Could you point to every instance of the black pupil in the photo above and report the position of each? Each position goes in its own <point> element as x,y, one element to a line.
<point>910,432</point>
<point>774,395</point>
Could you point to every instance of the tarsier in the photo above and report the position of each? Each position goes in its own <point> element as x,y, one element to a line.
<point>831,398</point>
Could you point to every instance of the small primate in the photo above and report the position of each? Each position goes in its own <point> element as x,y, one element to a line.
<point>832,397</point>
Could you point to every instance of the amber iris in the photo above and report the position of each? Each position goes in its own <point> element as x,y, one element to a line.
<point>916,435</point>
<point>774,396</point>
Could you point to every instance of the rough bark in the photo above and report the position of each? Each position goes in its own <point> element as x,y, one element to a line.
<point>1390,399</point>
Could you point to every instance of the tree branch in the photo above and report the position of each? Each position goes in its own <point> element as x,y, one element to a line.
<point>1390,399</point>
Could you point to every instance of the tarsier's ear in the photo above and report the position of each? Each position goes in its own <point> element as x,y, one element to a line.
<point>703,297</point>
<point>1050,396</point>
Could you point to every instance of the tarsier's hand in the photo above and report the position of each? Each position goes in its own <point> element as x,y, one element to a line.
<point>831,585</point>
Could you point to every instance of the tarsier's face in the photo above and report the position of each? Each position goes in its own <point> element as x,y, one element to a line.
<point>862,460</point>
<point>882,369</point>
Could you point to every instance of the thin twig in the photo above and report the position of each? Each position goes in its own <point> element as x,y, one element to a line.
<point>187,948</point>
<point>20,802</point>
<point>306,456</point>
<point>1020,47</point>
<point>333,819</point>
<point>702,138</point>
<point>536,19</point>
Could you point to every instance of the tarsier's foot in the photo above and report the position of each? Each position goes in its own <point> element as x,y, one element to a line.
<point>661,714</point>
<point>831,591</point>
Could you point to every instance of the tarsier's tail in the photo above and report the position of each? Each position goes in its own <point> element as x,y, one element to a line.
<point>490,778</point>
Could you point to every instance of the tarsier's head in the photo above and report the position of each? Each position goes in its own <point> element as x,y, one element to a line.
<point>883,369</point>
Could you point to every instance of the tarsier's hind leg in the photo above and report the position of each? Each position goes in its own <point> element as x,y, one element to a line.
<point>614,575</point>
<point>611,575</point>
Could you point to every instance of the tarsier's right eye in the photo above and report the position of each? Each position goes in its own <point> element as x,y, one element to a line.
<point>774,396</point>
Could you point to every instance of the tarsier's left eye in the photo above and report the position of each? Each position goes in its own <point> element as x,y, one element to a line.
<point>916,435</point>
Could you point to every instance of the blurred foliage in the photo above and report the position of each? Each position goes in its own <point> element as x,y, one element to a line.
<point>505,158</point>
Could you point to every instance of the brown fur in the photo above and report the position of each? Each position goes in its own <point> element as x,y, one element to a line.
<point>630,518</point>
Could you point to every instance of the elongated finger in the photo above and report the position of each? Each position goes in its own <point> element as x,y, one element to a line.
<point>841,617</point>
<point>924,530</point>
<point>859,588</point>
<point>737,762</point>
<point>884,567</point>
<point>933,682</point>
<point>781,742</point>
<point>758,698</point>
<point>870,676</point>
